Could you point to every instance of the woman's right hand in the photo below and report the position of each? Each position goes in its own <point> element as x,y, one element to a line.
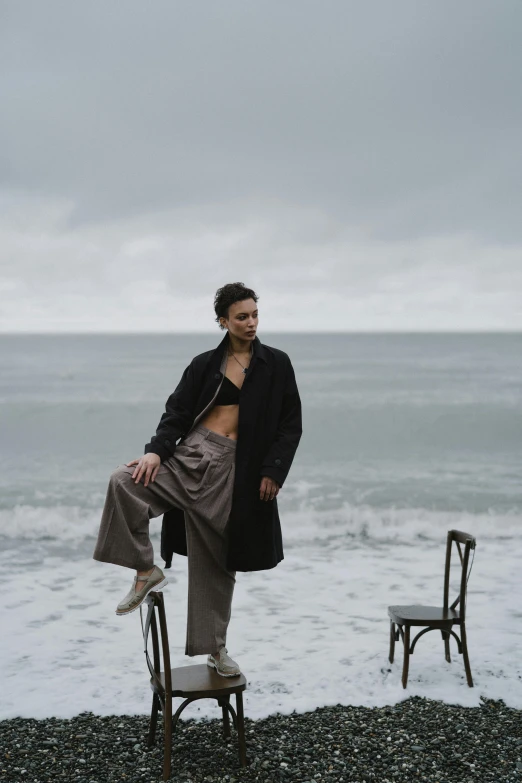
<point>147,466</point>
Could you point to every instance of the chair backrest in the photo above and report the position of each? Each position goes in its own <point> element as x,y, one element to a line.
<point>468,542</point>
<point>155,620</point>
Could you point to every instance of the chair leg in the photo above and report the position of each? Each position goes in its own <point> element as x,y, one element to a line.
<point>226,719</point>
<point>446,637</point>
<point>241,729</point>
<point>392,641</point>
<point>153,720</point>
<point>465,655</point>
<point>406,662</point>
<point>167,722</point>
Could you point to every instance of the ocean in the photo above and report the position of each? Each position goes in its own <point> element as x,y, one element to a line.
<point>405,436</point>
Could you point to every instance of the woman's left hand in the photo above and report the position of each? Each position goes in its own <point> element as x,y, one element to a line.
<point>268,489</point>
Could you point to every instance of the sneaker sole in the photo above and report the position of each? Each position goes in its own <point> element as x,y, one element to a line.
<point>213,666</point>
<point>159,586</point>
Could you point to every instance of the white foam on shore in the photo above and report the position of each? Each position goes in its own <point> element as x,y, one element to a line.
<point>71,524</point>
<point>311,632</point>
<point>302,523</point>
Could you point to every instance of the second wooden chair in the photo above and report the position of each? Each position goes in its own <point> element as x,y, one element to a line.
<point>443,618</point>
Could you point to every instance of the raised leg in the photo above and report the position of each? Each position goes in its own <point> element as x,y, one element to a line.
<point>241,729</point>
<point>406,662</point>
<point>167,722</point>
<point>153,720</point>
<point>123,536</point>
<point>392,641</point>
<point>465,655</point>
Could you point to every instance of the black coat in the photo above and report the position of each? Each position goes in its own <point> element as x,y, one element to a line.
<point>269,430</point>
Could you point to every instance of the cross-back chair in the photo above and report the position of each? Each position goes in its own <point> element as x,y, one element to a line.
<point>444,618</point>
<point>197,681</point>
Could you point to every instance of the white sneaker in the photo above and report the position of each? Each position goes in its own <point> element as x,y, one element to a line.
<point>224,665</point>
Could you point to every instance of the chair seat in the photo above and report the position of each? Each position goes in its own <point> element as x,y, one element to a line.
<point>200,680</point>
<point>434,616</point>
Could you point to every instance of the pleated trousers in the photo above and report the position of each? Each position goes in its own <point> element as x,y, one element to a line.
<point>198,478</point>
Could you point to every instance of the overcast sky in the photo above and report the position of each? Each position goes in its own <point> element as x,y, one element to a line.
<point>359,164</point>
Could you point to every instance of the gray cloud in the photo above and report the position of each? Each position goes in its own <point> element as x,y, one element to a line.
<point>362,149</point>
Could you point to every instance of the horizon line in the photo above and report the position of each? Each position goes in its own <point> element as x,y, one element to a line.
<point>274,331</point>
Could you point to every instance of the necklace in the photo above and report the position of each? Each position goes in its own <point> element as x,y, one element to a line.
<point>237,360</point>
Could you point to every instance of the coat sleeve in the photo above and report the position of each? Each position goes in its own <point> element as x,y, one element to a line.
<point>177,419</point>
<point>280,455</point>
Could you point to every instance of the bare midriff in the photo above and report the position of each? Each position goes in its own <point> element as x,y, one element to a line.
<point>222,419</point>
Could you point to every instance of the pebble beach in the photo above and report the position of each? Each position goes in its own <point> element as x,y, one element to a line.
<point>416,740</point>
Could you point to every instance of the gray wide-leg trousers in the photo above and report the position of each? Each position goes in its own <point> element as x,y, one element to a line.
<point>198,478</point>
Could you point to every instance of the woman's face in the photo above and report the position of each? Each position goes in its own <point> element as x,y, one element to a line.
<point>242,320</point>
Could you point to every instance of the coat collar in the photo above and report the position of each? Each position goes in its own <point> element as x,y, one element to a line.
<point>258,349</point>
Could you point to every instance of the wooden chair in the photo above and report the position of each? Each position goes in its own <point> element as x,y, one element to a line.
<point>444,618</point>
<point>197,681</point>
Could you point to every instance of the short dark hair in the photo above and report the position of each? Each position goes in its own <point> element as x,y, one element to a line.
<point>229,294</point>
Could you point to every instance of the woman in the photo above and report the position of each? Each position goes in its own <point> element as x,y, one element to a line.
<point>236,413</point>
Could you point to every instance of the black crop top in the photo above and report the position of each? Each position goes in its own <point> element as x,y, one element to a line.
<point>228,393</point>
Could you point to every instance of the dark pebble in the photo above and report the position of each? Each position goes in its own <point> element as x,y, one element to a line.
<point>418,740</point>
